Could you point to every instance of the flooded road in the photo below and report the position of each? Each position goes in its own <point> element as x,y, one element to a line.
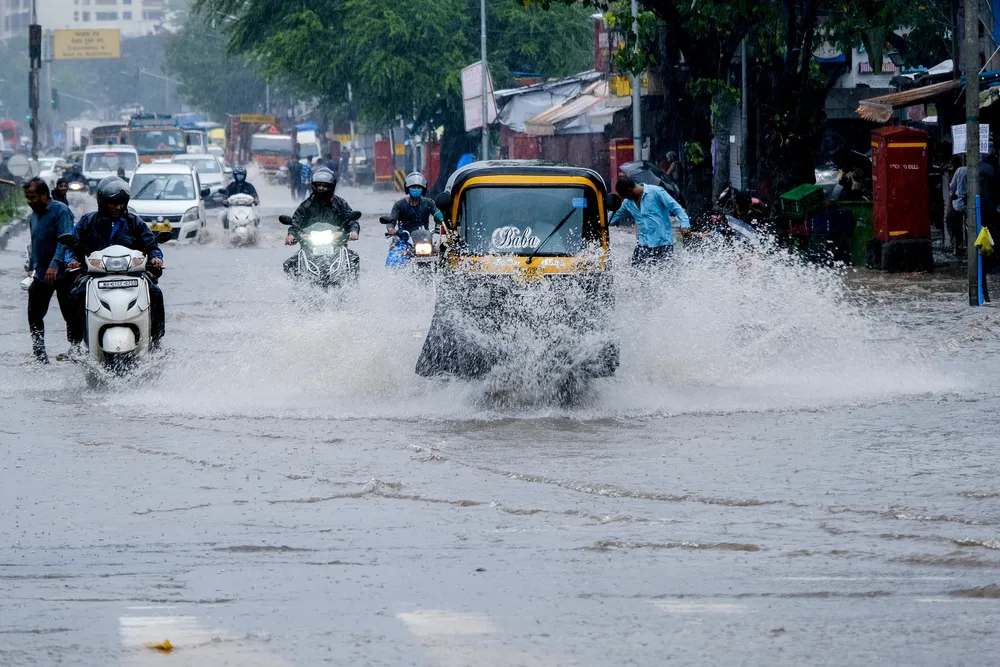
<point>791,467</point>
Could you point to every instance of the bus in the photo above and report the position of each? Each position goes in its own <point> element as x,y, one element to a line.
<point>8,132</point>
<point>107,135</point>
<point>155,137</point>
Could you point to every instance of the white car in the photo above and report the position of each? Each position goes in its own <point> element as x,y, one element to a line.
<point>104,160</point>
<point>210,169</point>
<point>169,197</point>
<point>50,170</point>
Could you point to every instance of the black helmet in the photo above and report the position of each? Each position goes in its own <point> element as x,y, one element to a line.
<point>112,190</point>
<point>121,173</point>
<point>324,175</point>
<point>239,170</point>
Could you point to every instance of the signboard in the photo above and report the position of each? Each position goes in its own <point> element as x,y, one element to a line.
<point>153,122</point>
<point>472,96</point>
<point>258,119</point>
<point>86,44</point>
<point>958,139</point>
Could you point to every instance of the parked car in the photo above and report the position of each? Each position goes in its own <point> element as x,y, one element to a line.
<point>170,197</point>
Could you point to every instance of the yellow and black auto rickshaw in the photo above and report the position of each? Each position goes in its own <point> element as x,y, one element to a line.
<point>524,274</point>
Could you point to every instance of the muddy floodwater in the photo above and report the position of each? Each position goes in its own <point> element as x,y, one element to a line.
<point>793,466</point>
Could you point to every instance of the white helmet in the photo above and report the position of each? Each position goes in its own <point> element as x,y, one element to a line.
<point>416,179</point>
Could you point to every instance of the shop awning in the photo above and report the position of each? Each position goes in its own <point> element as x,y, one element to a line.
<point>590,111</point>
<point>879,109</point>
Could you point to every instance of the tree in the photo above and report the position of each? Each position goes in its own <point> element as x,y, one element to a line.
<point>210,79</point>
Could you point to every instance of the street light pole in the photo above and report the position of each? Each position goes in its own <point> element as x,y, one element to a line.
<point>486,106</point>
<point>35,55</point>
<point>972,143</point>
<point>636,98</point>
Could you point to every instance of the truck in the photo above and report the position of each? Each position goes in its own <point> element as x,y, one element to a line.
<point>155,137</point>
<point>270,152</point>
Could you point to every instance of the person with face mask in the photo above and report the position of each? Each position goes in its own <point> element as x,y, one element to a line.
<point>323,206</point>
<point>50,219</point>
<point>113,224</point>
<point>239,186</point>
<point>650,206</point>
<point>415,211</point>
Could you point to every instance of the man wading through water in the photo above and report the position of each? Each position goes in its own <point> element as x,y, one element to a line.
<point>650,206</point>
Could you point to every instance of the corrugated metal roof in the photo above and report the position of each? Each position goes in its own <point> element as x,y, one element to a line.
<point>550,120</point>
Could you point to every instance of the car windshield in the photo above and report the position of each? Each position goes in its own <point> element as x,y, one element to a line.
<point>204,166</point>
<point>158,141</point>
<point>195,139</point>
<point>275,145</point>
<point>46,164</point>
<point>170,187</point>
<point>110,161</point>
<point>308,150</point>
<point>517,220</point>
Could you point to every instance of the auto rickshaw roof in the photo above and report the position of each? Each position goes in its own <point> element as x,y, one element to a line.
<point>522,168</point>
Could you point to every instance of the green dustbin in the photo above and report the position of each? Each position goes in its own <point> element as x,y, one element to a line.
<point>864,229</point>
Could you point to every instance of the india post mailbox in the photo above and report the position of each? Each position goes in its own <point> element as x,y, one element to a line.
<point>899,184</point>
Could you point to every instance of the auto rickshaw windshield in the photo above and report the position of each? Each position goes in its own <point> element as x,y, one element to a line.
<point>517,220</point>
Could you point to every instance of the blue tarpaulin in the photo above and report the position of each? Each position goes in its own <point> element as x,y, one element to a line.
<point>307,126</point>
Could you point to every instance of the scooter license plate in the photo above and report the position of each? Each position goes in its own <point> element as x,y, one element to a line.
<point>324,250</point>
<point>122,283</point>
<point>160,227</point>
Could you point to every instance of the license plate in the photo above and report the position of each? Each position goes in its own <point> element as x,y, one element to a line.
<point>118,284</point>
<point>160,227</point>
<point>325,250</point>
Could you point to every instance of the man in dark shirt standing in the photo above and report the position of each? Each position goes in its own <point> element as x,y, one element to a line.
<point>49,220</point>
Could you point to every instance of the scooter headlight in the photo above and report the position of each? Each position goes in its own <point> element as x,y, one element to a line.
<point>423,249</point>
<point>480,296</point>
<point>321,237</point>
<point>114,264</point>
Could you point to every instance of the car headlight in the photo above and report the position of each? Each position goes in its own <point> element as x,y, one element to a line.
<point>423,249</point>
<point>480,296</point>
<point>322,237</point>
<point>190,215</point>
<point>116,264</point>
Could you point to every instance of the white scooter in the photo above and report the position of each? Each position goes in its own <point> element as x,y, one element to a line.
<point>117,304</point>
<point>243,221</point>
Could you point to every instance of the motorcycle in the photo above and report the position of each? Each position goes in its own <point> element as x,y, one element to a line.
<point>416,247</point>
<point>117,304</point>
<point>281,176</point>
<point>77,195</point>
<point>243,220</point>
<point>323,258</point>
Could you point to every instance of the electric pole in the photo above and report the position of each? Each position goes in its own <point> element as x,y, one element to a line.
<point>972,142</point>
<point>636,96</point>
<point>486,73</point>
<point>35,55</point>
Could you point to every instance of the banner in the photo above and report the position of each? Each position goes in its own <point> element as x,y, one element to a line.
<point>86,44</point>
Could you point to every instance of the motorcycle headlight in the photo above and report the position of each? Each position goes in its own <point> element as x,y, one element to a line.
<point>114,264</point>
<point>480,296</point>
<point>322,237</point>
<point>76,186</point>
<point>423,249</point>
<point>190,215</point>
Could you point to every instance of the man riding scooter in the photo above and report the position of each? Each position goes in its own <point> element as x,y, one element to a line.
<point>322,206</point>
<point>239,186</point>
<point>416,210</point>
<point>112,224</point>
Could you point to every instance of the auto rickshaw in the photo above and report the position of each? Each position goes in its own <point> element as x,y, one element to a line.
<point>524,274</point>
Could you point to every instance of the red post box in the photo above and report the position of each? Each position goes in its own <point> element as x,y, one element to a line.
<point>620,152</point>
<point>900,191</point>
<point>899,184</point>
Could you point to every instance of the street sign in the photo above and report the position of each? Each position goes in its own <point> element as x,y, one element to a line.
<point>18,166</point>
<point>86,44</point>
<point>472,96</point>
<point>257,119</point>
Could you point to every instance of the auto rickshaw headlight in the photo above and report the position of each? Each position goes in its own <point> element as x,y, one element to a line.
<point>480,296</point>
<point>423,249</point>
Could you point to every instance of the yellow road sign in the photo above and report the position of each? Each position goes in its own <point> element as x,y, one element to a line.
<point>86,44</point>
<point>257,119</point>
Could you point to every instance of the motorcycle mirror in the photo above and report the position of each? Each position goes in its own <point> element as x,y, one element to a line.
<point>284,219</point>
<point>386,221</point>
<point>206,192</point>
<point>355,215</point>
<point>163,237</point>
<point>443,202</point>
<point>66,240</point>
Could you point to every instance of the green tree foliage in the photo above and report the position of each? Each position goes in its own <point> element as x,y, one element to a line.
<point>210,79</point>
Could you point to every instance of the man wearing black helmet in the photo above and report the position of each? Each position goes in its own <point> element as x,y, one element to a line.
<point>113,224</point>
<point>239,186</point>
<point>323,206</point>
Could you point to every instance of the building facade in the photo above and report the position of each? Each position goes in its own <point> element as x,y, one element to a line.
<point>134,18</point>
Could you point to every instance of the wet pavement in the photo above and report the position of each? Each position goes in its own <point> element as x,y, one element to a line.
<point>793,466</point>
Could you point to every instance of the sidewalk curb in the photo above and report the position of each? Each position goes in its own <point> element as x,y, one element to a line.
<point>13,229</point>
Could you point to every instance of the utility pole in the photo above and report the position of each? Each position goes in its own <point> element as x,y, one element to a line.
<point>35,55</point>
<point>636,97</point>
<point>352,160</point>
<point>267,98</point>
<point>486,73</point>
<point>744,176</point>
<point>972,142</point>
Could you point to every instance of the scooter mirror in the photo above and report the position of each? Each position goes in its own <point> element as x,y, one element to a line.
<point>443,202</point>
<point>355,215</point>
<point>386,221</point>
<point>284,219</point>
<point>163,237</point>
<point>66,239</point>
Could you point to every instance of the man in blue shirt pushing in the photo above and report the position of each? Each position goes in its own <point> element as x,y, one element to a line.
<point>650,206</point>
